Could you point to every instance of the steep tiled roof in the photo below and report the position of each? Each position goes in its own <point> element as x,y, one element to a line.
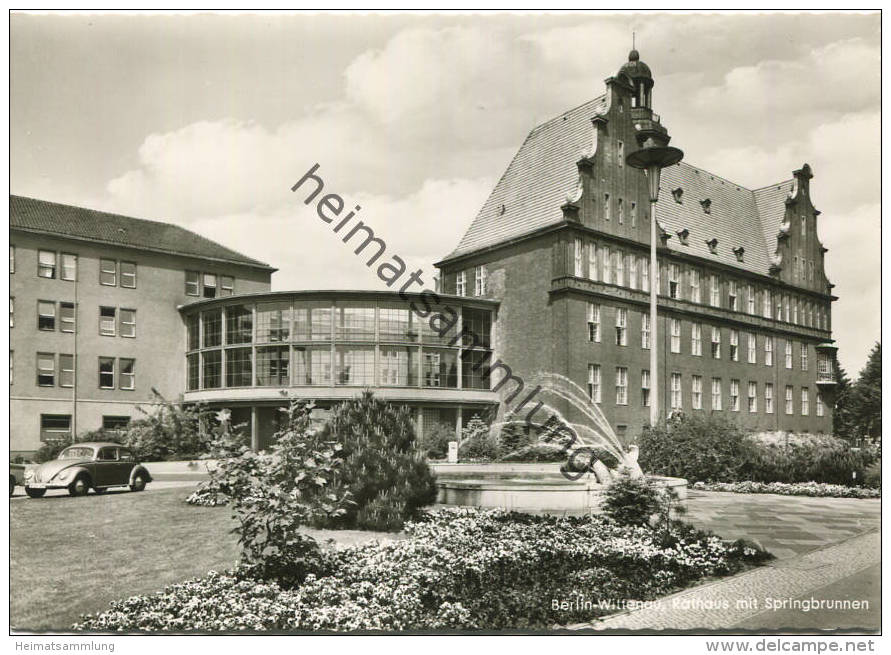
<point>733,218</point>
<point>79,223</point>
<point>534,186</point>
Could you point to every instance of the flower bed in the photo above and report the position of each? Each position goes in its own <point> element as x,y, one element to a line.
<point>458,569</point>
<point>818,489</point>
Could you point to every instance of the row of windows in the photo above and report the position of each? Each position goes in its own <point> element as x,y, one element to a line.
<point>611,265</point>
<point>52,316</point>
<point>52,264</point>
<point>57,427</point>
<point>112,272</point>
<point>276,322</point>
<point>595,393</point>
<point>209,285</point>
<point>696,336</point>
<point>58,370</point>
<point>480,279</point>
<point>402,366</point>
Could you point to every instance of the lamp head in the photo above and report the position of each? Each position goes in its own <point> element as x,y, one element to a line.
<point>653,160</point>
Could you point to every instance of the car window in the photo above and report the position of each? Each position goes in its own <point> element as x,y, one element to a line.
<point>125,455</point>
<point>76,453</point>
<point>108,453</point>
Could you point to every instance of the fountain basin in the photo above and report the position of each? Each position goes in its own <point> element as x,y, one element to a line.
<point>550,493</point>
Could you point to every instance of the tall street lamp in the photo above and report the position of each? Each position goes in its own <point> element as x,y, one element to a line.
<point>652,158</point>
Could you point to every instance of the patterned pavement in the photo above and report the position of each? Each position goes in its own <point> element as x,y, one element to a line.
<point>827,549</point>
<point>785,525</point>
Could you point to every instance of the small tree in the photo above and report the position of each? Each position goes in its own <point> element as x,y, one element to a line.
<point>843,412</point>
<point>383,467</point>
<point>866,396</point>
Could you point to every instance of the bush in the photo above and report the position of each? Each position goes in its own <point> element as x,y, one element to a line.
<point>277,491</point>
<point>873,476</point>
<point>631,501</point>
<point>539,452</point>
<point>50,449</point>
<point>380,455</point>
<point>703,448</point>
<point>815,489</point>
<point>458,569</point>
<point>514,437</point>
<point>695,447</point>
<point>436,444</point>
<point>477,441</point>
<point>170,430</point>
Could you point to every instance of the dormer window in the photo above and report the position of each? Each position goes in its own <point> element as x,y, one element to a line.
<point>682,236</point>
<point>678,195</point>
<point>739,252</point>
<point>712,246</point>
<point>706,205</point>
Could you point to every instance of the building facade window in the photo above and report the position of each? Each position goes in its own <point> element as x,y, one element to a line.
<point>697,392</point>
<point>750,299</point>
<point>753,397</point>
<point>274,322</point>
<point>645,330</point>
<point>820,408</point>
<point>227,285</point>
<point>620,206</point>
<point>606,206</point>
<point>212,369</point>
<point>620,155</point>
<point>578,258</point>
<point>55,427</point>
<point>193,283</point>
<point>480,277</point>
<point>731,295</point>
<point>594,383</point>
<point>766,303</point>
<point>753,348</point>
<point>645,388</point>
<point>11,311</point>
<point>676,395</point>
<point>768,397</point>
<point>621,385</point>
<point>715,290</point>
<point>107,321</point>
<point>108,272</point>
<point>696,339</point>
<point>632,272</point>
<point>734,395</point>
<point>46,315</point>
<point>606,273</point>
<point>193,380</point>
<point>461,283</point>
<point>69,267</point>
<point>675,335</point>
<point>128,275</point>
<point>46,369</point>
<point>716,394</point>
<point>805,401</point>
<point>621,327</point>
<point>644,274</point>
<point>674,273</point>
<point>273,366</point>
<point>593,322</point>
<point>106,372</point>
<point>67,317</point>
<point>46,264</point>
<point>11,259</point>
<point>440,368</point>
<point>620,268</point>
<point>239,367</point>
<point>66,370</point>
<point>695,291</point>
<point>734,345</point>
<point>399,368</point>
<point>312,365</point>
<point>768,351</point>
<point>716,343</point>
<point>592,260</point>
<point>209,285</point>
<point>127,374</point>
<point>212,328</point>
<point>354,322</point>
<point>789,401</point>
<point>788,354</point>
<point>632,211</point>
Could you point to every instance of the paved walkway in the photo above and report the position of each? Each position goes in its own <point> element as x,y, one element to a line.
<point>828,552</point>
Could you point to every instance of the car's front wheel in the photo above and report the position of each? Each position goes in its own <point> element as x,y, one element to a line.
<point>79,487</point>
<point>138,482</point>
<point>34,493</point>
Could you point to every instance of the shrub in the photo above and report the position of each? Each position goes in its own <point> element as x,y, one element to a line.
<point>380,455</point>
<point>277,491</point>
<point>695,447</point>
<point>539,452</point>
<point>873,476</point>
<point>50,449</point>
<point>816,489</point>
<point>436,444</point>
<point>514,437</point>
<point>631,501</point>
<point>478,442</point>
<point>458,569</point>
<point>170,430</point>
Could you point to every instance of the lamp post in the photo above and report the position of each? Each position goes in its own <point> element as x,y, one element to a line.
<point>652,159</point>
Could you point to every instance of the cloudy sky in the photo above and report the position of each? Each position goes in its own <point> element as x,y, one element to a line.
<point>207,121</point>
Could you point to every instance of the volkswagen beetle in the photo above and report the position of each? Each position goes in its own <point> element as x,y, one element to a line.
<point>96,465</point>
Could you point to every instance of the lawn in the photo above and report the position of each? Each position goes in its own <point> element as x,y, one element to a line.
<point>69,555</point>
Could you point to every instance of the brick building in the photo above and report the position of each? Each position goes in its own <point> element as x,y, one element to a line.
<point>744,305</point>
<point>93,314</point>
